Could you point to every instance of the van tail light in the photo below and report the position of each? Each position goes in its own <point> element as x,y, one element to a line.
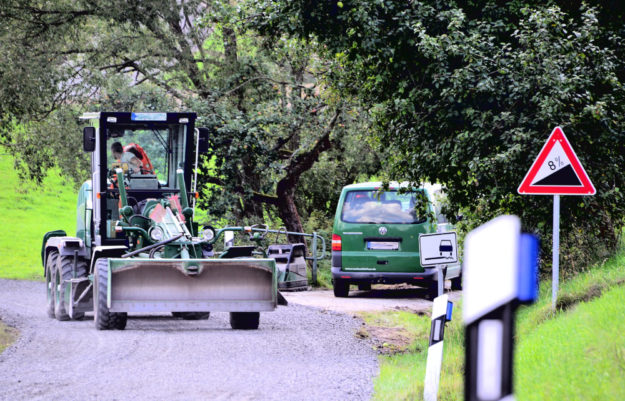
<point>336,242</point>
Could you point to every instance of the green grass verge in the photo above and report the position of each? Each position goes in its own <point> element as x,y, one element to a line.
<point>324,274</point>
<point>7,336</point>
<point>401,375</point>
<point>578,356</point>
<point>28,212</point>
<point>584,287</point>
<point>585,370</point>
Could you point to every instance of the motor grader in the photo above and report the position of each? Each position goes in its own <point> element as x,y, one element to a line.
<point>138,249</point>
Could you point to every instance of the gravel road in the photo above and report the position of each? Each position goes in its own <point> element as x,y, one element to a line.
<point>297,353</point>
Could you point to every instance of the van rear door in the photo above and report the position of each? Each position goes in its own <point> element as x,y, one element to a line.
<point>380,231</point>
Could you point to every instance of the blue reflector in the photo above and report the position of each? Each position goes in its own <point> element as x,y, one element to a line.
<point>148,116</point>
<point>527,290</point>
<point>450,307</point>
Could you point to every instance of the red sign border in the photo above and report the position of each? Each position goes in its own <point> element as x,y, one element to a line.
<point>586,189</point>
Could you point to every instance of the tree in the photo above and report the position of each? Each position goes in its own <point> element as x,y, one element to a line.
<point>265,101</point>
<point>466,92</point>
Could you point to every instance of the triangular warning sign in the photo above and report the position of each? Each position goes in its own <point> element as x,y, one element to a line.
<point>556,170</point>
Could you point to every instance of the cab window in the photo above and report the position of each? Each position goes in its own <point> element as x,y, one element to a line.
<point>163,145</point>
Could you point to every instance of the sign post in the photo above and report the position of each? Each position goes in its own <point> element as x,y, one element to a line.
<point>556,171</point>
<point>439,249</point>
<point>555,257</point>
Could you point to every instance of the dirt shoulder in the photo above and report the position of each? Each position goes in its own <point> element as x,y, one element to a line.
<point>8,335</point>
<point>379,311</point>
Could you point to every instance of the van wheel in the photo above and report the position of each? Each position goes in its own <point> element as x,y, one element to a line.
<point>456,283</point>
<point>433,290</point>
<point>341,288</point>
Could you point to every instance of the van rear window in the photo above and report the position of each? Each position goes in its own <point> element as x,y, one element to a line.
<point>373,207</point>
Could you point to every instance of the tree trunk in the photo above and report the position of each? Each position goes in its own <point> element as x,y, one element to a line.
<point>286,187</point>
<point>288,211</point>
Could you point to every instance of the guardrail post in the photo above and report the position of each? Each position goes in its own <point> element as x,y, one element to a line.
<point>314,263</point>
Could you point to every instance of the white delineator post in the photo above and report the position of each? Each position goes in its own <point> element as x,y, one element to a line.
<point>500,273</point>
<point>440,315</point>
<point>491,256</point>
<point>556,251</point>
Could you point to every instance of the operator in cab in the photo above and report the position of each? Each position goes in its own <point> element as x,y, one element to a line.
<point>134,156</point>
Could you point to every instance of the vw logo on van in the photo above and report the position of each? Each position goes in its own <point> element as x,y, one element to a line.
<point>382,230</point>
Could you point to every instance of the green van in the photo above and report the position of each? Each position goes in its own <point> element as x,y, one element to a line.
<point>376,238</point>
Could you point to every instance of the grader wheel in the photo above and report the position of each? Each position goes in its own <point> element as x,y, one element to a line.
<point>244,320</point>
<point>50,285</point>
<point>105,319</point>
<point>64,272</point>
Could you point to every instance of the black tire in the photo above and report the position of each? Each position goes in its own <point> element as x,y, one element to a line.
<point>433,290</point>
<point>103,318</point>
<point>244,320</point>
<point>64,269</point>
<point>50,284</point>
<point>364,287</point>
<point>456,283</point>
<point>341,288</point>
<point>192,315</point>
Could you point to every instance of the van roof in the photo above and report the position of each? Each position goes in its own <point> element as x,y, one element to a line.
<point>393,185</point>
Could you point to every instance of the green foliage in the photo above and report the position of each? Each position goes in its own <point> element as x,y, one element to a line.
<point>38,145</point>
<point>353,159</point>
<point>266,101</point>
<point>465,93</point>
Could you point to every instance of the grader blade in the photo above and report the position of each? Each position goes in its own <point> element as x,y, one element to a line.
<point>195,285</point>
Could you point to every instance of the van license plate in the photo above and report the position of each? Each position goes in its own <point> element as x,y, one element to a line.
<point>388,245</point>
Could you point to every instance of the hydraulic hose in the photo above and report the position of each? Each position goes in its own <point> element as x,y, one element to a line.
<point>147,248</point>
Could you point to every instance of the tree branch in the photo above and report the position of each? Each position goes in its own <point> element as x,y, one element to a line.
<point>304,161</point>
<point>264,198</point>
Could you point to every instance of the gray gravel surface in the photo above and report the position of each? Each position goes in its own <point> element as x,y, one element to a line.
<point>298,353</point>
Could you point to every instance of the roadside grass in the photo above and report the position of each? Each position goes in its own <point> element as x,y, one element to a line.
<point>584,287</point>
<point>401,375</point>
<point>28,212</point>
<point>324,274</point>
<point>577,352</point>
<point>578,356</point>
<point>7,336</point>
